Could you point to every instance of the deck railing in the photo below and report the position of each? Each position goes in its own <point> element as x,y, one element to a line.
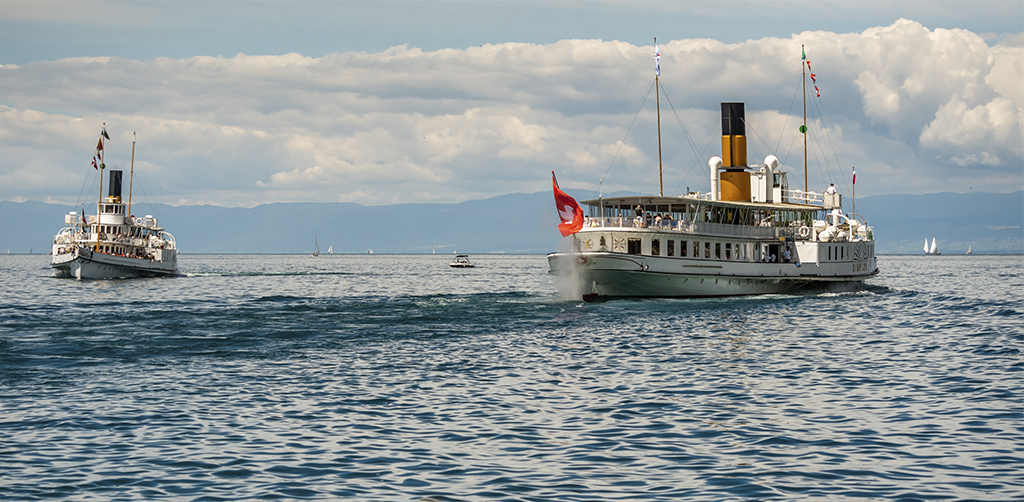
<point>724,230</point>
<point>697,227</point>
<point>802,196</point>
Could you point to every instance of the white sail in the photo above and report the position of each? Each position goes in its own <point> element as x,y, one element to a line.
<point>330,249</point>
<point>926,246</point>
<point>935,247</point>
<point>316,247</point>
<point>968,249</point>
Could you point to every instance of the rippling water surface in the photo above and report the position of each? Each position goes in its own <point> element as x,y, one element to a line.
<point>396,378</point>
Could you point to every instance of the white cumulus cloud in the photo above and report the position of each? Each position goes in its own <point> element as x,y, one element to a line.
<point>910,106</point>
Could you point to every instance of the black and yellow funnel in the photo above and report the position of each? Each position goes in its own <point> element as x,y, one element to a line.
<point>735,180</point>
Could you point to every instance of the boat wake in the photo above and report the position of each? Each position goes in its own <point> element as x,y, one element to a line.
<point>570,285</point>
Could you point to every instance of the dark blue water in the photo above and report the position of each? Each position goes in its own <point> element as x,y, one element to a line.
<point>397,378</point>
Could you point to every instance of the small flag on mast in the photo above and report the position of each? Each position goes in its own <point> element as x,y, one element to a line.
<point>99,149</point>
<point>814,78</point>
<point>854,175</point>
<point>657,59</point>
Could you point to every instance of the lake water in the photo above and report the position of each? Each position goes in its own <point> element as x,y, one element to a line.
<point>394,377</point>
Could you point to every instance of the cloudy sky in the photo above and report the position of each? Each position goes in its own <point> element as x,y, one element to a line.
<point>244,103</point>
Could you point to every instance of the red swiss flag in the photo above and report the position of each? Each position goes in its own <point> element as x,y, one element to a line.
<point>568,210</point>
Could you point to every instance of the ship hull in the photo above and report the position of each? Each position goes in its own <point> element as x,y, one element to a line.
<point>83,263</point>
<point>615,275</point>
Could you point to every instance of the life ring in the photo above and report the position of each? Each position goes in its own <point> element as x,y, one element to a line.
<point>805,231</point>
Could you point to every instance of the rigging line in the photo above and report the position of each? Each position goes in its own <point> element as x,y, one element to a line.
<point>82,190</point>
<point>85,181</point>
<point>145,194</point>
<point>623,142</point>
<point>796,138</point>
<point>696,162</point>
<point>750,127</point>
<point>816,150</point>
<point>689,139</point>
<point>792,104</point>
<point>820,158</point>
<point>686,134</point>
<point>835,153</point>
<point>821,145</point>
<point>783,158</point>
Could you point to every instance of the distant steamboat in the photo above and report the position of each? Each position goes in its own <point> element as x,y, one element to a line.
<point>112,243</point>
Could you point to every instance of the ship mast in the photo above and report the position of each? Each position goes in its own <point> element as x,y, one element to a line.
<point>99,203</point>
<point>131,175</point>
<point>803,128</point>
<point>657,101</point>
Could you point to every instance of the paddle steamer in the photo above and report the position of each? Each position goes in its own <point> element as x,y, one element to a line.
<point>112,243</point>
<point>750,234</point>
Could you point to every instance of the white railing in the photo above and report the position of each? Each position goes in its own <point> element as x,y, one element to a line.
<point>802,196</point>
<point>699,228</point>
<point>622,222</point>
<point>724,230</point>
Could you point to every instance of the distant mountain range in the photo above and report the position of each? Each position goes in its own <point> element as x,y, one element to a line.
<point>514,223</point>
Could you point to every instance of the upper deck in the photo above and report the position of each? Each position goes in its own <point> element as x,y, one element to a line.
<point>694,214</point>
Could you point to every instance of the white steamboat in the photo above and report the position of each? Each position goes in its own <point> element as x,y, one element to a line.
<point>749,235</point>
<point>112,243</point>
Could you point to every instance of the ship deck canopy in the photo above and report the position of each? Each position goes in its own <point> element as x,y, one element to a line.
<point>688,208</point>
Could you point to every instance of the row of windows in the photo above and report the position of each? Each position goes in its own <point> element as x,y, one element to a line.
<point>695,249</point>
<point>122,230</point>
<point>125,251</point>
<point>838,252</point>
<point>723,250</point>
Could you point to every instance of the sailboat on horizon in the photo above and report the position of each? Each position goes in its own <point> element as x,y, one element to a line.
<point>330,249</point>
<point>933,249</point>
<point>316,247</point>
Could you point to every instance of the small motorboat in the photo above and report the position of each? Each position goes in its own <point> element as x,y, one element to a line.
<point>461,261</point>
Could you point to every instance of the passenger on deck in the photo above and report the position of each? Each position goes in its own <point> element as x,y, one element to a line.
<point>787,255</point>
<point>831,190</point>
